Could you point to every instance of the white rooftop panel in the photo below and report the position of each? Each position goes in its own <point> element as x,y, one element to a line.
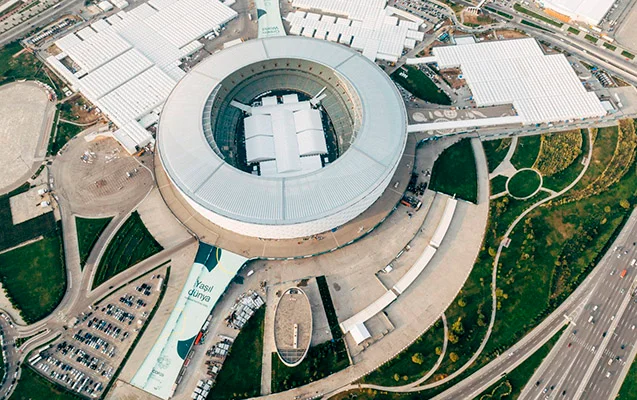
<point>100,25</point>
<point>113,74</point>
<point>85,33</point>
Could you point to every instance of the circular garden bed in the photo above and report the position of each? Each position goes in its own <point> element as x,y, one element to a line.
<point>524,184</point>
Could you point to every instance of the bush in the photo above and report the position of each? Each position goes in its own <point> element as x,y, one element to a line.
<point>558,151</point>
<point>418,358</point>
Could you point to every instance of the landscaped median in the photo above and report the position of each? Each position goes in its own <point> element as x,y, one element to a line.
<point>88,232</point>
<point>130,245</point>
<point>454,172</point>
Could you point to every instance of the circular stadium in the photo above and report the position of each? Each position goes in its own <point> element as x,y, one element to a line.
<point>283,137</point>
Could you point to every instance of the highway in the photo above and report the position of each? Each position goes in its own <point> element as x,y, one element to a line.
<point>587,362</point>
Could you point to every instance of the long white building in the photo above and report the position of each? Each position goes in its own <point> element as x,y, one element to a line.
<point>588,11</point>
<point>128,63</point>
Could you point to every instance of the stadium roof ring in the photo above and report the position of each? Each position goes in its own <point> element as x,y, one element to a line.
<point>198,125</point>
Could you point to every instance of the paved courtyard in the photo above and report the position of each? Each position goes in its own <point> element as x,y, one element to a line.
<point>26,115</point>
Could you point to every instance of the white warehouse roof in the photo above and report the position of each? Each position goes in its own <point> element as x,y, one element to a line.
<point>589,11</point>
<point>542,88</point>
<point>290,206</point>
<point>128,63</point>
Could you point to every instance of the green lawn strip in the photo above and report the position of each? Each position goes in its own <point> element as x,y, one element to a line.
<point>526,151</point>
<point>495,151</point>
<point>34,277</point>
<point>524,183</point>
<point>321,360</point>
<point>454,172</point>
<point>14,235</point>
<point>628,390</point>
<point>519,8</point>
<point>532,25</point>
<point>419,84</point>
<point>515,380</point>
<point>500,13</point>
<point>498,184</point>
<point>402,369</point>
<point>32,386</point>
<point>590,38</point>
<point>65,132</point>
<point>25,66</point>
<point>563,178</point>
<point>88,232</point>
<point>130,245</point>
<point>573,30</point>
<point>609,46</point>
<point>628,55</point>
<point>603,148</point>
<point>240,376</point>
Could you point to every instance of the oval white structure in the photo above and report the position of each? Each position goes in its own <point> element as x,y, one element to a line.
<point>293,326</point>
<point>371,128</point>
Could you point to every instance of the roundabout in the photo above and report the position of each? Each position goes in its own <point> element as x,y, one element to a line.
<point>524,184</point>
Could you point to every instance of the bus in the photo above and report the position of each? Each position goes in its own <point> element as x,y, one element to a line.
<point>623,274</point>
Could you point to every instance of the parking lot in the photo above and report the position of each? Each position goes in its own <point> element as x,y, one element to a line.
<point>432,13</point>
<point>88,354</point>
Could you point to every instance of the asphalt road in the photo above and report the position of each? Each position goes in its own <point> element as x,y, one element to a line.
<point>587,363</point>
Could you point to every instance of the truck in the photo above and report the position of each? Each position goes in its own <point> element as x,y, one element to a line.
<point>623,273</point>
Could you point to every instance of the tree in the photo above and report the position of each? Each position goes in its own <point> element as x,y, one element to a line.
<point>452,338</point>
<point>625,204</point>
<point>461,302</point>
<point>457,327</point>
<point>438,350</point>
<point>418,358</point>
<point>396,377</point>
<point>453,357</point>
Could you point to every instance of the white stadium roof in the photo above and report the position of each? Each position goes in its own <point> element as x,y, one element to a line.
<point>589,11</point>
<point>542,88</point>
<point>293,206</point>
<point>128,63</point>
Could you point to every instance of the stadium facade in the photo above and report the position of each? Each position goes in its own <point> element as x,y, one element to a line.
<point>282,137</point>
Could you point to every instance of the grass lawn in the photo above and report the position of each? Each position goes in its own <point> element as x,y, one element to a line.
<point>519,8</point>
<point>65,132</point>
<point>34,277</point>
<point>13,235</point>
<point>629,387</point>
<point>454,172</point>
<point>590,38</point>
<point>417,83</point>
<point>401,370</point>
<point>628,55</point>
<point>604,144</point>
<point>131,244</point>
<point>526,151</point>
<point>240,376</point>
<point>524,183</point>
<point>321,360</point>
<point>495,151</point>
<point>573,30</point>
<point>32,386</point>
<point>610,46</point>
<point>25,66</point>
<point>500,13</point>
<point>563,178</point>
<point>88,231</point>
<point>498,184</point>
<point>532,25</point>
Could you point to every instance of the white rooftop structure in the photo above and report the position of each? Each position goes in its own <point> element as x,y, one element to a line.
<point>542,88</point>
<point>302,204</point>
<point>283,133</point>
<point>128,63</point>
<point>366,25</point>
<point>588,11</point>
